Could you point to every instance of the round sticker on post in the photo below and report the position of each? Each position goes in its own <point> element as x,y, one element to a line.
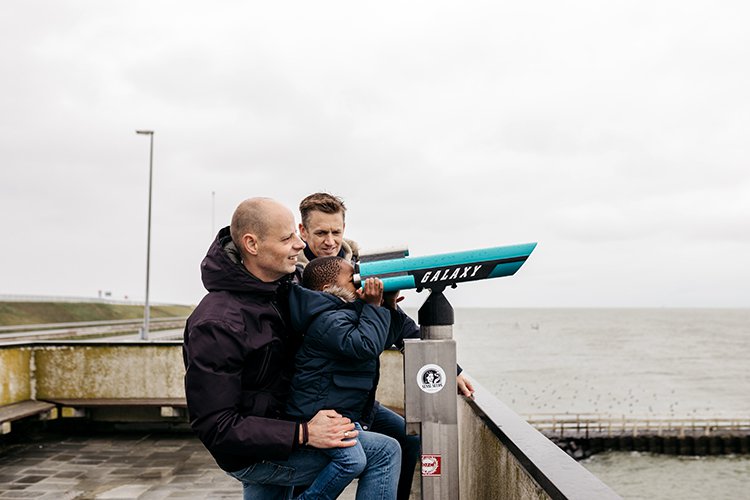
<point>431,378</point>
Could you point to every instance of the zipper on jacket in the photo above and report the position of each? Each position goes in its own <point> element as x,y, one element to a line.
<point>281,317</point>
<point>264,365</point>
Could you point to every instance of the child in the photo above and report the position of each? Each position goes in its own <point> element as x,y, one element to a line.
<point>337,365</point>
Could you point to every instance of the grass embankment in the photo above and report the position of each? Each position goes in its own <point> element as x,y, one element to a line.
<point>33,313</point>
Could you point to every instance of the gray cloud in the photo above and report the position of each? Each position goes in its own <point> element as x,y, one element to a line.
<point>613,134</point>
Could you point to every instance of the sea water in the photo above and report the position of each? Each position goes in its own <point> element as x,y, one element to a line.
<point>678,363</point>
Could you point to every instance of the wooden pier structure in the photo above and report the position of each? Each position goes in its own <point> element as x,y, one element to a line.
<point>582,435</point>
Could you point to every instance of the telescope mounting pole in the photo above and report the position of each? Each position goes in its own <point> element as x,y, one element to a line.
<point>430,393</point>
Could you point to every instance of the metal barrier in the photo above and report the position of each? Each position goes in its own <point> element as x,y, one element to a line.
<point>95,300</point>
<point>83,324</point>
<point>83,329</point>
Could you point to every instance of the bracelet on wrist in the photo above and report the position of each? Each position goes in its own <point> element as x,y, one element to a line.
<point>305,433</point>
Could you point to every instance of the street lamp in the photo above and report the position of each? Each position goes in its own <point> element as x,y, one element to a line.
<point>146,313</point>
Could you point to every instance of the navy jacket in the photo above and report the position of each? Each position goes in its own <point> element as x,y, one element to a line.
<point>338,364</point>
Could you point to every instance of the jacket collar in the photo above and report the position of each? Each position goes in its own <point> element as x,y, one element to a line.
<point>222,269</point>
<point>311,256</point>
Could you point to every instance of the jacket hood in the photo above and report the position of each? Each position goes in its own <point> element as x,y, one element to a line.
<point>222,269</point>
<point>305,305</point>
<point>349,251</point>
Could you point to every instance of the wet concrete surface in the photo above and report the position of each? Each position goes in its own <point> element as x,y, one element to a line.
<point>122,465</point>
<point>128,465</point>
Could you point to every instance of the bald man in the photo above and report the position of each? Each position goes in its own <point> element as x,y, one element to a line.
<point>239,358</point>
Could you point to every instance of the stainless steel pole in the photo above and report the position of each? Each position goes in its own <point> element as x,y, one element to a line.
<point>146,311</point>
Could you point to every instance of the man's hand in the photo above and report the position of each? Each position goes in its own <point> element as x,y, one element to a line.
<point>390,299</point>
<point>372,293</point>
<point>464,386</point>
<point>328,429</point>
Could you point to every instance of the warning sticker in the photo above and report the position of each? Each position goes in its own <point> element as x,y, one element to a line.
<point>431,465</point>
<point>431,378</point>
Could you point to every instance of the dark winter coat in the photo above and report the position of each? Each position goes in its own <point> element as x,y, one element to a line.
<point>239,358</point>
<point>337,365</point>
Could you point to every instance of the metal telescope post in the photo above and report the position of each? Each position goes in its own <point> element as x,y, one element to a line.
<point>430,396</point>
<point>430,363</point>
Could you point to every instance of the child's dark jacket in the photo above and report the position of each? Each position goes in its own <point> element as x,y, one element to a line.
<point>337,366</point>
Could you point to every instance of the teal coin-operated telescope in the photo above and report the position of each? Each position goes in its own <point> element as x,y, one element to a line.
<point>430,404</point>
<point>440,271</point>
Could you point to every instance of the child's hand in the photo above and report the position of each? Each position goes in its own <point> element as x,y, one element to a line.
<point>372,293</point>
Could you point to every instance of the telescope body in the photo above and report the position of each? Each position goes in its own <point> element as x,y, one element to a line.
<point>398,252</point>
<point>442,270</point>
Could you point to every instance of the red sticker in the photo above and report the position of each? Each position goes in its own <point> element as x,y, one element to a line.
<point>430,465</point>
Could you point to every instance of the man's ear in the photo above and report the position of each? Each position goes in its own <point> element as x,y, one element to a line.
<point>250,244</point>
<point>302,232</point>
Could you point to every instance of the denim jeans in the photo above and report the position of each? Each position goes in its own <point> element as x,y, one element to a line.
<point>392,424</point>
<point>274,480</point>
<point>345,465</point>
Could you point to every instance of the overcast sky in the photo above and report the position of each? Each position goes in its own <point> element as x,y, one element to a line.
<point>615,134</point>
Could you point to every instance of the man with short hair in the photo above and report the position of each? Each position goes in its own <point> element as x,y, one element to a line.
<point>239,356</point>
<point>322,229</point>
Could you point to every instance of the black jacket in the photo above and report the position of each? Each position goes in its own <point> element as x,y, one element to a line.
<point>337,365</point>
<point>239,358</point>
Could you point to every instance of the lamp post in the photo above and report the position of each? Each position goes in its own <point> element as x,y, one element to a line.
<point>146,312</point>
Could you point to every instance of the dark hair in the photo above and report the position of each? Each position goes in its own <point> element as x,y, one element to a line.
<point>321,272</point>
<point>322,202</point>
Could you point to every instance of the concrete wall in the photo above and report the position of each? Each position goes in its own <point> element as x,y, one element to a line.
<point>501,455</point>
<point>109,371</point>
<point>391,385</point>
<point>487,468</point>
<point>15,375</point>
<point>132,370</point>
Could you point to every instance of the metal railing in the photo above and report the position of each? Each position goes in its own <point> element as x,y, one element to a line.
<point>94,300</point>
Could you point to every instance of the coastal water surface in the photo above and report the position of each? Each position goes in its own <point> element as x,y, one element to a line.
<point>678,363</point>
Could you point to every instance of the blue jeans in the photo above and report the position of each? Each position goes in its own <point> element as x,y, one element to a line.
<point>392,424</point>
<point>275,480</point>
<point>345,465</point>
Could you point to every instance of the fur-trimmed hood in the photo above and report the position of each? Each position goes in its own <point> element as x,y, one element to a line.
<point>350,248</point>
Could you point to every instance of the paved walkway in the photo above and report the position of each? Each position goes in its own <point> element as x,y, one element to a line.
<point>144,466</point>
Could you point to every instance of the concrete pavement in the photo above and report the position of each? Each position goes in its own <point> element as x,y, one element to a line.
<point>123,465</point>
